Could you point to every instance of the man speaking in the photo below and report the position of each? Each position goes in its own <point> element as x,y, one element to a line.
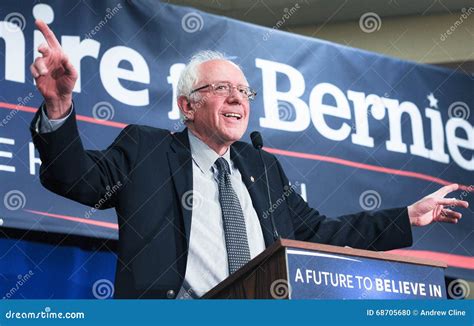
<point>171,246</point>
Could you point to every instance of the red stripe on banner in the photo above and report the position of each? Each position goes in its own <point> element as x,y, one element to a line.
<point>18,107</point>
<point>78,117</point>
<point>451,260</point>
<point>277,151</point>
<point>76,219</point>
<point>364,166</point>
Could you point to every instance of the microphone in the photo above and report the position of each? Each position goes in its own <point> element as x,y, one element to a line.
<point>257,142</point>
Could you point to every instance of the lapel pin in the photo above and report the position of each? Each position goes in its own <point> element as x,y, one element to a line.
<point>252,179</point>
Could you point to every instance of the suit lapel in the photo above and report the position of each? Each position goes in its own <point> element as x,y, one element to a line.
<point>250,167</point>
<point>180,164</point>
<point>253,176</point>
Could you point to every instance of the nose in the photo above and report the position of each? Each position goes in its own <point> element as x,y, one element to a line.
<point>235,96</point>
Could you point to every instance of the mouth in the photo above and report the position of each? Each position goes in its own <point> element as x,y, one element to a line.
<point>232,115</point>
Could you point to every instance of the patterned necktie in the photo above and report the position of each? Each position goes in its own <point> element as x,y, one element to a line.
<point>238,252</point>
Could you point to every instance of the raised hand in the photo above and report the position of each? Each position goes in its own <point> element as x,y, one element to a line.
<point>434,208</point>
<point>54,74</point>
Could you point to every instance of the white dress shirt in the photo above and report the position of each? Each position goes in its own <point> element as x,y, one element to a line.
<point>207,256</point>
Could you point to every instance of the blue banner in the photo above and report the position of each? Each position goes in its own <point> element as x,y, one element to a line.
<point>319,275</point>
<point>354,130</point>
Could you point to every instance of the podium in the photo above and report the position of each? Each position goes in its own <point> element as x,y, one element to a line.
<point>291,269</point>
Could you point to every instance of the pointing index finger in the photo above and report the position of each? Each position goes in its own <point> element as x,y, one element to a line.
<point>48,34</point>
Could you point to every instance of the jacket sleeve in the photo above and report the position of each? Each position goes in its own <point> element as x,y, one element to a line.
<point>382,230</point>
<point>91,177</point>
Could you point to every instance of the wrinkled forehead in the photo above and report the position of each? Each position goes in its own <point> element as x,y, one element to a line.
<point>220,70</point>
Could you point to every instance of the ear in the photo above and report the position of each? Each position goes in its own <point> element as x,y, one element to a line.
<point>185,107</point>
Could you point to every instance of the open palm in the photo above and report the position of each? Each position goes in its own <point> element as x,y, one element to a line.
<point>436,208</point>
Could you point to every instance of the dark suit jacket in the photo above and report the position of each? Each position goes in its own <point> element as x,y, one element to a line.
<point>154,168</point>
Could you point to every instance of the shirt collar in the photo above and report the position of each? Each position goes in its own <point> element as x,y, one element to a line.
<point>203,155</point>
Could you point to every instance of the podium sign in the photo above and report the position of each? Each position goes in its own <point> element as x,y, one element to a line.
<point>323,275</point>
<point>291,269</point>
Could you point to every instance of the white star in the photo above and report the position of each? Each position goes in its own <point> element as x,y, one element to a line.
<point>433,100</point>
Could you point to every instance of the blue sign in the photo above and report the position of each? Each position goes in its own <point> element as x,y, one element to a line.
<point>344,123</point>
<point>322,275</point>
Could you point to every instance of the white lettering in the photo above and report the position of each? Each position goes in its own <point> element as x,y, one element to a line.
<point>110,74</point>
<point>271,96</point>
<point>454,142</point>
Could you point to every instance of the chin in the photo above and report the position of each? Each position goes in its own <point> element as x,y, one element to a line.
<point>232,136</point>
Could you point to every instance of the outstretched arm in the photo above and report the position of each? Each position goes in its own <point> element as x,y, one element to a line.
<point>382,230</point>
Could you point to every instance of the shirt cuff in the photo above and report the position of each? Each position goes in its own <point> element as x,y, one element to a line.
<point>49,125</point>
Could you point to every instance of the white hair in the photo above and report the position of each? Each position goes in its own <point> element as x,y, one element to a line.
<point>190,74</point>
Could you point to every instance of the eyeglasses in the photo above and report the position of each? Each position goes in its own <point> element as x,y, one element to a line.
<point>225,89</point>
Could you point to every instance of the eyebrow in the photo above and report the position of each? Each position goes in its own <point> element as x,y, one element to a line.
<point>226,81</point>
